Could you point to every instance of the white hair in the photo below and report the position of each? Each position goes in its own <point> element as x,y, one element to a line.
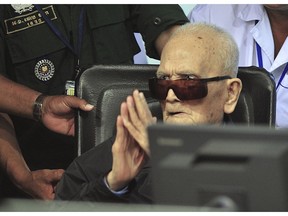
<point>227,49</point>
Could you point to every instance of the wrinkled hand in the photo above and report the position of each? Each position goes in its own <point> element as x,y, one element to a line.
<point>138,118</point>
<point>40,184</point>
<point>127,158</point>
<point>131,144</point>
<point>58,112</point>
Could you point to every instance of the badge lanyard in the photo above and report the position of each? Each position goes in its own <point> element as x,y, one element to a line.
<point>64,39</point>
<point>260,62</point>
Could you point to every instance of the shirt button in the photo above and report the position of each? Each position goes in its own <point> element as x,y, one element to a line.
<point>157,21</point>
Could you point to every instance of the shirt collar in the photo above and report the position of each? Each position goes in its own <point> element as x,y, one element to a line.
<point>251,12</point>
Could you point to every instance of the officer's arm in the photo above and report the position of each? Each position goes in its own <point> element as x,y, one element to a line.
<point>11,159</point>
<point>164,37</point>
<point>16,98</point>
<point>58,110</point>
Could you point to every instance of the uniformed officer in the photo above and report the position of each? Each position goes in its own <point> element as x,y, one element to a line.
<point>44,46</point>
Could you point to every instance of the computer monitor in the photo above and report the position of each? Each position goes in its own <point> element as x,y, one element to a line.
<point>245,168</point>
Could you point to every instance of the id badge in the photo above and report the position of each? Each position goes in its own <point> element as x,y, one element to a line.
<point>70,87</point>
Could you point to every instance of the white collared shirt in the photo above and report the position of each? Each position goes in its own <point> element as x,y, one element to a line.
<point>239,21</point>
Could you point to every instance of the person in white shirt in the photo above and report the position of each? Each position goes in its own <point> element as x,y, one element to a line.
<point>260,32</point>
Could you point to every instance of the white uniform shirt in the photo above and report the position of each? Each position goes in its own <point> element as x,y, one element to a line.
<point>239,20</point>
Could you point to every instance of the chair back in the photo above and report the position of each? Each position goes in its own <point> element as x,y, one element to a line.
<point>107,86</point>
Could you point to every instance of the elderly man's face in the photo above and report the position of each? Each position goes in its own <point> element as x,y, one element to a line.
<point>197,58</point>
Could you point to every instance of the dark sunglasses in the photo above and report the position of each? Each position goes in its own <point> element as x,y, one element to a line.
<point>183,88</point>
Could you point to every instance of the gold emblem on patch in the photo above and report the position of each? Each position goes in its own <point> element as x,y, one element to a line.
<point>21,8</point>
<point>44,70</point>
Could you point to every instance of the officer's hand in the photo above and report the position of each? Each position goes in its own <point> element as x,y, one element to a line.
<point>40,184</point>
<point>58,112</point>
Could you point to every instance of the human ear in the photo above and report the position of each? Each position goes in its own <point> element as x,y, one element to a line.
<point>234,87</point>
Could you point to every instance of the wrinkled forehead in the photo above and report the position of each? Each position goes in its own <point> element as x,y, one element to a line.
<point>195,55</point>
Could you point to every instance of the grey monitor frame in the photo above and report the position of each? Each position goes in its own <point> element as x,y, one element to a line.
<point>244,167</point>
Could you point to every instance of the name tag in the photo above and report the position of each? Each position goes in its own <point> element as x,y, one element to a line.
<point>70,87</point>
<point>29,20</point>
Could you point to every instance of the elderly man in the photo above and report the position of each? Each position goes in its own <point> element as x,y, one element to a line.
<point>196,84</point>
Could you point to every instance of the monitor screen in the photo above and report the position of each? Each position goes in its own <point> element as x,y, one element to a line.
<point>244,168</point>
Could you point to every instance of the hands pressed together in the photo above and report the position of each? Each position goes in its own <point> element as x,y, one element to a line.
<point>131,147</point>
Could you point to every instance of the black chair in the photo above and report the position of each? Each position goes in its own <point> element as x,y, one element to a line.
<point>257,102</point>
<point>106,86</point>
